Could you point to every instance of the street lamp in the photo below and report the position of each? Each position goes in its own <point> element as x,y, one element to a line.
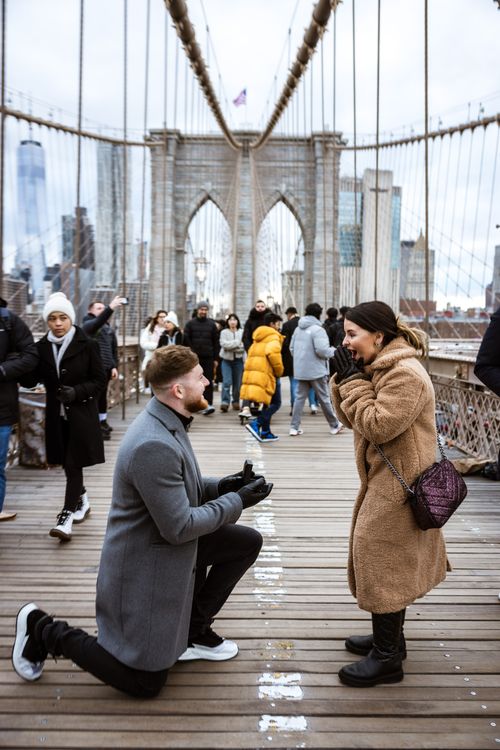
<point>200,272</point>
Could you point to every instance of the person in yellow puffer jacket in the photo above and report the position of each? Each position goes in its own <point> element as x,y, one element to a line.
<point>263,369</point>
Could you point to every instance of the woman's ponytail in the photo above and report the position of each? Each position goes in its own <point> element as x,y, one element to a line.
<point>414,336</point>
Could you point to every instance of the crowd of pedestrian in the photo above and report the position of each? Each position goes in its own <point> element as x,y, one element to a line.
<point>173,552</point>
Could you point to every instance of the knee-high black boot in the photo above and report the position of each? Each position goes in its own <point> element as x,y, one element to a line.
<point>383,663</point>
<point>363,644</point>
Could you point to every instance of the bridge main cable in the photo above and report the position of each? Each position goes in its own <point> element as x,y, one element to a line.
<point>185,30</point>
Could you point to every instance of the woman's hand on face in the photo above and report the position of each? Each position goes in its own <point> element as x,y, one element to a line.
<point>344,365</point>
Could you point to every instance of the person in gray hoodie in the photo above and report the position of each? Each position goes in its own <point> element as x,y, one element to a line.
<point>311,351</point>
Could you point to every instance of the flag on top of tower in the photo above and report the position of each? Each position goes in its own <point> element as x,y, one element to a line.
<point>241,98</point>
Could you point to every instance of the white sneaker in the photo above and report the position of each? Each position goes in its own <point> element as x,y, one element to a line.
<point>295,432</point>
<point>226,650</point>
<point>208,410</point>
<point>28,670</point>
<point>82,509</point>
<point>314,409</point>
<point>245,412</point>
<point>337,429</point>
<point>62,529</point>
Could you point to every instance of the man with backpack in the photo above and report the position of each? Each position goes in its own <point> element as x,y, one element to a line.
<point>18,356</point>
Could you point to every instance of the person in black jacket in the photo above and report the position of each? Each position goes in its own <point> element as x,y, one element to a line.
<point>71,370</point>
<point>254,320</point>
<point>96,325</point>
<point>18,356</point>
<point>202,337</point>
<point>487,367</point>
<point>172,333</point>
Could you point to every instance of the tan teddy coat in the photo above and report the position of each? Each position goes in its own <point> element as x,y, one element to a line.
<point>391,561</point>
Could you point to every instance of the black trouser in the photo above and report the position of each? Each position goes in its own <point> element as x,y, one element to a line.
<point>59,639</point>
<point>74,474</point>
<point>208,371</point>
<point>102,402</point>
<point>230,551</point>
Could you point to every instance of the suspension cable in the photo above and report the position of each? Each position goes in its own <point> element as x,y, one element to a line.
<point>76,239</point>
<point>142,261</point>
<point>426,152</point>
<point>377,153</point>
<point>355,143</point>
<point>125,204</point>
<point>2,142</point>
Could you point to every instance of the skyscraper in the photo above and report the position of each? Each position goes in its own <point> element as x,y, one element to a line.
<point>32,217</point>
<point>356,239</point>
<point>110,218</point>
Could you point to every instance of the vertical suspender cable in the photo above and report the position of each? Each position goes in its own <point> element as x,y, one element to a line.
<point>125,205</point>
<point>357,259</point>
<point>323,153</point>
<point>335,173</point>
<point>426,152</point>
<point>142,259</point>
<point>77,235</point>
<point>2,143</point>
<point>376,152</point>
<point>164,167</point>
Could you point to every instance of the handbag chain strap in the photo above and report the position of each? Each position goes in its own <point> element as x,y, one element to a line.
<point>396,472</point>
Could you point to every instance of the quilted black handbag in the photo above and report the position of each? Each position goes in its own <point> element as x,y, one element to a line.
<point>434,495</point>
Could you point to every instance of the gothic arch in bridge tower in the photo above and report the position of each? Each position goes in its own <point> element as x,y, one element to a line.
<point>281,235</point>
<point>188,170</point>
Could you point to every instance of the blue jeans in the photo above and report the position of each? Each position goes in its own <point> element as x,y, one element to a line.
<point>264,418</point>
<point>5,431</point>
<point>232,371</point>
<point>313,401</point>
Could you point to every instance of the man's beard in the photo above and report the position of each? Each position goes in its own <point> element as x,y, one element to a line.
<point>195,405</point>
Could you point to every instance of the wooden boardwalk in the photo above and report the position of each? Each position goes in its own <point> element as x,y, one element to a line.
<point>290,616</point>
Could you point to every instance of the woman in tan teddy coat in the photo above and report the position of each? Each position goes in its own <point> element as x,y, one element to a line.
<point>383,393</point>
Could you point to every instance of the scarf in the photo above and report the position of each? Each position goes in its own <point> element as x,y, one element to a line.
<point>60,344</point>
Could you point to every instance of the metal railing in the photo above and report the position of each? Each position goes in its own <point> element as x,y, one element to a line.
<point>467,416</point>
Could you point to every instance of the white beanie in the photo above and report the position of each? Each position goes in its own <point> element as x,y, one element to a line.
<point>58,302</point>
<point>172,318</point>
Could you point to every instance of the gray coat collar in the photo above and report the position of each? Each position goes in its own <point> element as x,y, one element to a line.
<point>174,425</point>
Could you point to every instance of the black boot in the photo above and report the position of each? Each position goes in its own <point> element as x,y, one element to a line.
<point>383,663</point>
<point>363,644</point>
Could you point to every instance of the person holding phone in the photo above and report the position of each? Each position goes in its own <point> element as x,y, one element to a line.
<point>172,552</point>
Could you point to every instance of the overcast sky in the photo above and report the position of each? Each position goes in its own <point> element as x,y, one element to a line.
<point>253,42</point>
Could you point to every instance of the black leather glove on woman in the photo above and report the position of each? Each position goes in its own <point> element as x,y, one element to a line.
<point>344,364</point>
<point>253,493</point>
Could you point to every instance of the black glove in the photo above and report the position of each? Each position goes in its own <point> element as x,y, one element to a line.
<point>344,365</point>
<point>66,394</point>
<point>253,493</point>
<point>234,482</point>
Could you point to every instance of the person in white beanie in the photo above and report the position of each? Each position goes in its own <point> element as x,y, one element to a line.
<point>70,368</point>
<point>172,333</point>
<point>149,338</point>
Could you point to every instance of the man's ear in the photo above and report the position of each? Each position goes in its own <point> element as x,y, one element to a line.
<point>177,390</point>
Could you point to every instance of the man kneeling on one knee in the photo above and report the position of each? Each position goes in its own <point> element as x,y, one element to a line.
<point>167,526</point>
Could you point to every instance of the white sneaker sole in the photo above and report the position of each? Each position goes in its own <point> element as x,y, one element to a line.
<point>227,650</point>
<point>58,534</point>
<point>27,670</point>
<point>252,433</point>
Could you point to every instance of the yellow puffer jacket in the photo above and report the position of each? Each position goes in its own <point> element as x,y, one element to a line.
<point>263,365</point>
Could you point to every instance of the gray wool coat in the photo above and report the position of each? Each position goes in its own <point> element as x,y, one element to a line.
<point>161,504</point>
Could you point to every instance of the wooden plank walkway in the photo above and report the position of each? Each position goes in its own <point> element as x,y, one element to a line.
<point>290,616</point>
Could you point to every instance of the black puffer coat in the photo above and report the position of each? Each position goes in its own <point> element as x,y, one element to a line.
<point>80,367</point>
<point>202,336</point>
<point>287,330</point>
<point>487,367</point>
<point>255,319</point>
<point>18,356</point>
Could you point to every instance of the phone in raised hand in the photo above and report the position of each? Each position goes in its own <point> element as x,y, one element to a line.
<point>247,470</point>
